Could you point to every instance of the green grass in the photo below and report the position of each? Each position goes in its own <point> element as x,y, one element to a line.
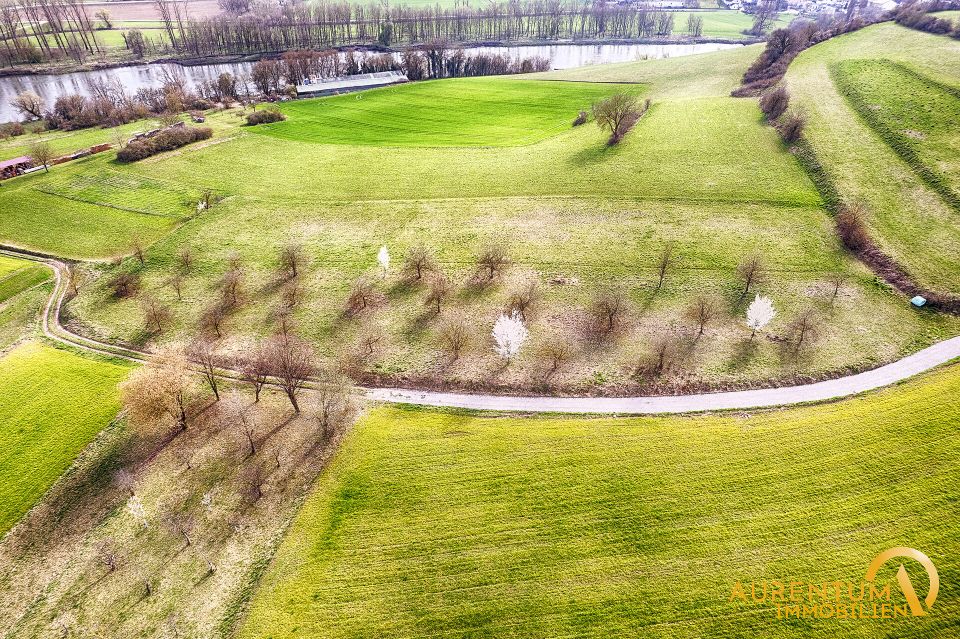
<point>915,116</point>
<point>909,220</point>
<point>19,275</point>
<point>460,112</point>
<point>448,525</point>
<point>724,23</point>
<point>124,191</point>
<point>54,402</point>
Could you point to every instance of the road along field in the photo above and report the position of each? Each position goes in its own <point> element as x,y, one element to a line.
<point>54,403</point>
<point>441,524</point>
<point>907,81</point>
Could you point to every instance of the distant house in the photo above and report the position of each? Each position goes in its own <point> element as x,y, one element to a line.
<point>314,87</point>
<point>15,167</point>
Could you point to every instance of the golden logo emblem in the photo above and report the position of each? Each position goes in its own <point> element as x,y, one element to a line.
<point>903,579</point>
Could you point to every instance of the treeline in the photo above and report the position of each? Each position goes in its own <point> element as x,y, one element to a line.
<point>109,104</point>
<point>431,61</point>
<point>916,15</point>
<point>42,30</point>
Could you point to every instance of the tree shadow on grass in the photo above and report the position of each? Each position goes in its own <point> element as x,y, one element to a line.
<point>595,154</point>
<point>743,352</point>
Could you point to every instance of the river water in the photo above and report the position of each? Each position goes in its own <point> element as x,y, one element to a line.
<point>561,56</point>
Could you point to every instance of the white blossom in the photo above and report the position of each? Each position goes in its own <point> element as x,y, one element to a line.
<point>509,332</point>
<point>383,257</point>
<point>135,508</point>
<point>760,313</point>
<point>207,502</point>
<point>201,206</point>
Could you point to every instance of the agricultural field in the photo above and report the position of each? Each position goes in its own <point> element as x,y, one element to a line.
<point>54,403</point>
<point>445,524</point>
<point>17,276</point>
<point>911,220</point>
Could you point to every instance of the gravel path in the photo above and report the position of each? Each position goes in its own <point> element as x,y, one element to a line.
<point>894,372</point>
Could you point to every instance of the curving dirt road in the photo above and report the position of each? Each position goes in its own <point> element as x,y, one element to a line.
<point>902,369</point>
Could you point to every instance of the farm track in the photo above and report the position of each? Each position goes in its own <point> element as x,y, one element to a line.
<point>915,364</point>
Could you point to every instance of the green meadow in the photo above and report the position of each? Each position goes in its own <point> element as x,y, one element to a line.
<point>54,403</point>
<point>441,524</point>
<point>18,275</point>
<point>911,220</point>
<point>459,164</point>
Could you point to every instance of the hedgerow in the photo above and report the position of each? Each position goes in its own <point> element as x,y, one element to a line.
<point>166,140</point>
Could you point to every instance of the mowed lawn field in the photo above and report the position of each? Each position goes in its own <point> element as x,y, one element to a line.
<point>18,275</point>
<point>910,219</point>
<point>53,404</point>
<point>455,112</point>
<point>435,524</point>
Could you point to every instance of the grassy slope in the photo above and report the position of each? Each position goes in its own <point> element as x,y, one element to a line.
<point>910,221</point>
<point>53,404</point>
<point>444,525</point>
<point>19,275</point>
<point>91,208</point>
<point>700,168</point>
<point>472,114</point>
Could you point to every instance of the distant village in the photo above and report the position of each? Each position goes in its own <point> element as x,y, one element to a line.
<point>807,8</point>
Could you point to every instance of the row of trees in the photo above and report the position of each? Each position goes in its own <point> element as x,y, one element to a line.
<point>38,30</point>
<point>325,24</point>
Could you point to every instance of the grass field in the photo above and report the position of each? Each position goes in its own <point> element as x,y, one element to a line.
<point>450,525</point>
<point>459,112</point>
<point>19,275</point>
<point>54,402</point>
<point>910,220</point>
<point>915,116</point>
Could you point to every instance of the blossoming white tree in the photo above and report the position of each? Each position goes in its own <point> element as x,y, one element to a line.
<point>136,509</point>
<point>509,332</point>
<point>383,257</point>
<point>760,313</point>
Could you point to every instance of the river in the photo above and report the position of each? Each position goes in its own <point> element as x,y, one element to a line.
<point>561,56</point>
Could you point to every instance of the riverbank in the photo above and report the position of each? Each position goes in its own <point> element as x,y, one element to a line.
<point>105,64</point>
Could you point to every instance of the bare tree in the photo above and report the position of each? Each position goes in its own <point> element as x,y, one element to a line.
<point>292,260</point>
<point>107,554</point>
<point>230,288</point>
<point>664,261</point>
<point>419,260</point>
<point>212,319</point>
<point>136,249</point>
<point>703,310</point>
<point>556,351</point>
<point>291,294</point>
<point>204,352</point>
<point>155,314</point>
<point>663,351</point>
<point>29,105</point>
<point>453,337</point>
<point>185,259</point>
<point>361,296</point>
<point>41,154</point>
<point>333,405</point>
<point>125,480</point>
<point>751,271</point>
<point>804,329</point>
<point>493,260</point>
<point>852,226</point>
<point>764,14</point>
<point>240,418</point>
<point>836,282</point>
<point>255,369</point>
<point>252,479</point>
<point>75,279</point>
<point>607,310</point>
<point>124,284</point>
<point>440,290</point>
<point>164,386</point>
<point>616,114</point>
<point>523,298</point>
<point>175,282</point>
<point>180,524</point>
<point>292,362</point>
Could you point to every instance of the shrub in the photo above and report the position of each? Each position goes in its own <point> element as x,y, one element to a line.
<point>852,227</point>
<point>774,103</point>
<point>581,118</point>
<point>791,128</point>
<point>11,130</point>
<point>265,116</point>
<point>124,284</point>
<point>166,140</point>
